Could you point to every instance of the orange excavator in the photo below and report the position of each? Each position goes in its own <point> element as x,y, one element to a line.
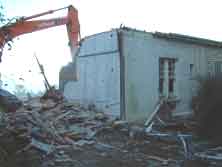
<point>29,24</point>
<point>26,25</point>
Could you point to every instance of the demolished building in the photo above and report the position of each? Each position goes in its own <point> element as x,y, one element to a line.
<point>125,72</point>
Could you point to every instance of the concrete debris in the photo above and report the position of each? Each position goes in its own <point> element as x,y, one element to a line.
<point>83,142</point>
<point>120,124</point>
<point>46,133</point>
<point>48,104</point>
<point>54,94</point>
<point>46,148</point>
<point>8,101</point>
<point>47,124</point>
<point>103,147</point>
<point>214,154</point>
<point>163,161</point>
<point>137,132</point>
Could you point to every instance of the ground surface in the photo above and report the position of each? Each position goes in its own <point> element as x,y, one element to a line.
<point>112,148</point>
<point>122,145</point>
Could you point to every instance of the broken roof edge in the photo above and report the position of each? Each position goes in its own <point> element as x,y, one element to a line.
<point>168,36</point>
<point>179,37</point>
<point>188,39</point>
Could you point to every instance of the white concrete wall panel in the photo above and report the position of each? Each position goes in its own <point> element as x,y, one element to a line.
<point>99,74</point>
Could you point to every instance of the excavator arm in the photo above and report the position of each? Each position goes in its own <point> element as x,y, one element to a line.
<point>27,25</point>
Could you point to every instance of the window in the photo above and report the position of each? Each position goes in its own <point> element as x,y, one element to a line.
<point>161,68</point>
<point>161,75</point>
<point>191,70</point>
<point>218,68</point>
<point>171,86</point>
<point>161,86</point>
<point>167,77</point>
<point>171,67</point>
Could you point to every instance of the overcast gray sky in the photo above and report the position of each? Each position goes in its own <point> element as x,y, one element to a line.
<point>200,18</point>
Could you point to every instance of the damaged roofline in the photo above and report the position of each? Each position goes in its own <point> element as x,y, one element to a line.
<point>169,36</point>
<point>179,37</point>
<point>188,39</point>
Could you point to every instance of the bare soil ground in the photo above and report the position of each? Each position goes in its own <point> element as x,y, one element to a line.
<point>113,148</point>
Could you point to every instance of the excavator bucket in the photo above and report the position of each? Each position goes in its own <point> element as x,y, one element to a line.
<point>67,73</point>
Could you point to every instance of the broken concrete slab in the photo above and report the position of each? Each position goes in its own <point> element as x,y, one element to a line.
<point>120,124</point>
<point>71,132</point>
<point>46,148</point>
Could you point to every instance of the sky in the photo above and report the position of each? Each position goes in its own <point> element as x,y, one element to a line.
<point>199,18</point>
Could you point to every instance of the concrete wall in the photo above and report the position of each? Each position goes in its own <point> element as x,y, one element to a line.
<point>141,75</point>
<point>99,71</point>
<point>142,52</point>
<point>99,74</point>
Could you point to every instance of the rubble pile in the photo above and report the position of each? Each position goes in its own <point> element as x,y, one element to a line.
<point>48,126</point>
<point>9,101</point>
<point>47,132</point>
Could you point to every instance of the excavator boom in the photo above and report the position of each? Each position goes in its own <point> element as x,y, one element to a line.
<point>26,25</point>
